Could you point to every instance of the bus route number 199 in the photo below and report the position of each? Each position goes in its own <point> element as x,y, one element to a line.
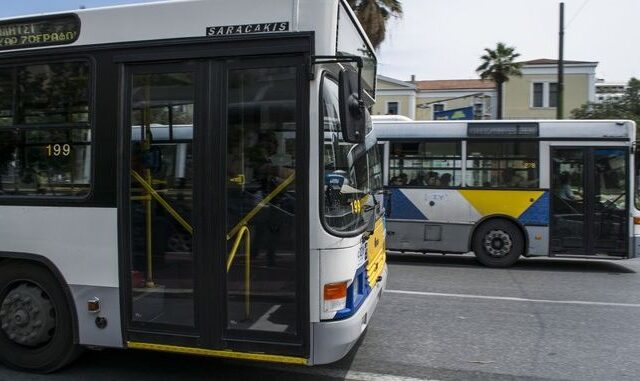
<point>56,150</point>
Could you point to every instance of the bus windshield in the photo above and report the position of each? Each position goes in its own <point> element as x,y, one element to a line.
<point>352,172</point>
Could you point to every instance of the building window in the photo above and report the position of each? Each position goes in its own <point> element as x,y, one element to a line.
<point>538,98</point>
<point>45,133</point>
<point>544,94</point>
<point>478,110</point>
<point>425,164</point>
<point>553,95</point>
<point>502,164</point>
<point>392,108</point>
<point>437,107</point>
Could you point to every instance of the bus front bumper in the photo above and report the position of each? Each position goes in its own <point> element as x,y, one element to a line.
<point>332,340</point>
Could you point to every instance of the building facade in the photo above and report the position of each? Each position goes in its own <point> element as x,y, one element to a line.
<point>609,91</point>
<point>532,96</point>
<point>535,94</point>
<point>395,97</point>
<point>426,100</point>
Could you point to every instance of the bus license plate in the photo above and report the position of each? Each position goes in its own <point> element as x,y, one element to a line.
<point>362,255</point>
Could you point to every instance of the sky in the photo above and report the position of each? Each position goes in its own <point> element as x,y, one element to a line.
<point>443,39</point>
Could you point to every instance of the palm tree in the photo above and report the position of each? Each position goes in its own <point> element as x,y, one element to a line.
<point>374,14</point>
<point>498,65</point>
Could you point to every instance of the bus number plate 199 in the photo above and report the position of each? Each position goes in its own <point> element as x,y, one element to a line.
<point>362,255</point>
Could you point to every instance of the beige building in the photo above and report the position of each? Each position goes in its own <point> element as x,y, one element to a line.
<point>395,97</point>
<point>421,100</point>
<point>444,95</point>
<point>532,96</point>
<point>535,94</point>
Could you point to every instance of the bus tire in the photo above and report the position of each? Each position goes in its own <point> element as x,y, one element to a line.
<point>36,330</point>
<point>498,243</point>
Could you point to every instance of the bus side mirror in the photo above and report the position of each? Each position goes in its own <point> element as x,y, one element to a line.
<point>352,110</point>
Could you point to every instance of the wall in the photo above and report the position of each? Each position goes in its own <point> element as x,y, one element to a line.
<point>380,108</point>
<point>518,96</point>
<point>427,113</point>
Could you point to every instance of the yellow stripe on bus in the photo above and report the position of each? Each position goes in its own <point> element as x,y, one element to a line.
<point>510,203</point>
<point>219,353</point>
<point>376,253</point>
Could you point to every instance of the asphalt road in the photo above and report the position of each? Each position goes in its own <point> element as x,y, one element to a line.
<point>446,318</point>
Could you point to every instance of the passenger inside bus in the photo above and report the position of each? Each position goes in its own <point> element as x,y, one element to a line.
<point>512,179</point>
<point>445,180</point>
<point>565,192</point>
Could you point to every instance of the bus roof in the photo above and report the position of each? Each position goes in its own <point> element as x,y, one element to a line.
<point>189,18</point>
<point>546,129</point>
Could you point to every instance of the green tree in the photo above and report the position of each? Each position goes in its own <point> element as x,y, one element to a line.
<point>374,15</point>
<point>627,107</point>
<point>498,65</point>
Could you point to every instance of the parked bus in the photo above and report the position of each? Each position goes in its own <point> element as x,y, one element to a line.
<point>164,182</point>
<point>506,189</point>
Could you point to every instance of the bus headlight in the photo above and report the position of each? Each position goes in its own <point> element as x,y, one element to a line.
<point>335,296</point>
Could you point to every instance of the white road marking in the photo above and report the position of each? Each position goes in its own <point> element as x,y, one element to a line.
<point>263,324</point>
<point>348,375</point>
<point>512,299</point>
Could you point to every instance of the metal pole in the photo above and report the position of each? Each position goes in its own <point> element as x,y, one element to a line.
<point>560,105</point>
<point>146,125</point>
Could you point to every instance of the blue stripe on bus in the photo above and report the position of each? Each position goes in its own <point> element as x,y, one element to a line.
<point>356,298</point>
<point>402,208</point>
<point>538,213</point>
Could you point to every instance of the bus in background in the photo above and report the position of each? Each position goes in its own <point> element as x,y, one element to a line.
<point>506,189</point>
<point>165,184</point>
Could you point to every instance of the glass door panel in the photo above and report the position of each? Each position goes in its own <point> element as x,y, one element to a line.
<point>589,214</point>
<point>261,224</point>
<point>568,214</point>
<point>200,277</point>
<point>611,215</point>
<point>162,106</point>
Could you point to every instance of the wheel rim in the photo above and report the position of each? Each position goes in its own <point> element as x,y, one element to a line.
<point>498,243</point>
<point>27,316</point>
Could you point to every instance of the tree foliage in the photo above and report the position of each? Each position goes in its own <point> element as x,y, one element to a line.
<point>626,107</point>
<point>498,65</point>
<point>374,15</point>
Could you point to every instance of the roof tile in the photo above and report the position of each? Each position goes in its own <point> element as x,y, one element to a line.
<point>456,84</point>
<point>547,61</point>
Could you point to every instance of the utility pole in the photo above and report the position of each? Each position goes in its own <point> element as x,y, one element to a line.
<point>560,105</point>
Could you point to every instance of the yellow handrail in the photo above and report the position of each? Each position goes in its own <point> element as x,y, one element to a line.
<point>261,205</point>
<point>162,202</point>
<point>246,234</point>
<point>148,218</point>
<point>240,230</point>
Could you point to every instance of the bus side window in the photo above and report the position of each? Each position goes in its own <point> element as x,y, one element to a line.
<point>425,164</point>
<point>503,164</point>
<point>45,145</point>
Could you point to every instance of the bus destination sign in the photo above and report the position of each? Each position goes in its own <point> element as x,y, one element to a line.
<point>40,31</point>
<point>528,130</point>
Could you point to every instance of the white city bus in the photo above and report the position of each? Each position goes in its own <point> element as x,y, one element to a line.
<point>506,189</point>
<point>164,182</point>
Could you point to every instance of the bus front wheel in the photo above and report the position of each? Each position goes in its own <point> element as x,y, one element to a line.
<point>36,332</point>
<point>498,243</point>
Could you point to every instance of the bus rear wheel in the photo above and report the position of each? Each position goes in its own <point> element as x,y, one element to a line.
<point>36,332</point>
<point>498,243</point>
